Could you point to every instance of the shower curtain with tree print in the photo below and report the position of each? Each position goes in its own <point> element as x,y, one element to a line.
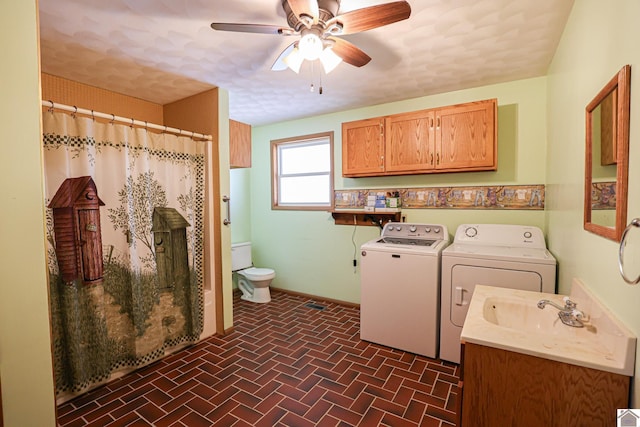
<point>125,211</point>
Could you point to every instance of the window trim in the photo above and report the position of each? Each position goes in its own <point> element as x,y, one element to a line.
<point>275,144</point>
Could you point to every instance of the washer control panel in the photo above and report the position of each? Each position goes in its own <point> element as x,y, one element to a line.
<point>408,230</point>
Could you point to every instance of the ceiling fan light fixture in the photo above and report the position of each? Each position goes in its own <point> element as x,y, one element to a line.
<point>329,59</point>
<point>294,60</point>
<point>310,46</point>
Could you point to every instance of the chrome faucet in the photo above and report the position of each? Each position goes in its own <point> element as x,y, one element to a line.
<point>569,314</point>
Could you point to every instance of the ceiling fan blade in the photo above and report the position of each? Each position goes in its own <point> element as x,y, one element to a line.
<point>279,64</point>
<point>253,28</point>
<point>305,8</point>
<point>371,17</point>
<point>350,53</point>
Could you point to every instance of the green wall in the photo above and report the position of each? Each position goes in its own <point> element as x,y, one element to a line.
<point>240,205</point>
<point>600,37</point>
<point>311,254</point>
<point>26,370</point>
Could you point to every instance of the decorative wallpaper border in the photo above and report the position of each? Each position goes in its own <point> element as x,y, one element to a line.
<point>520,197</point>
<point>603,195</point>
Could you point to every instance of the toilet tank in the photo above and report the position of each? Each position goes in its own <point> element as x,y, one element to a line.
<point>240,256</point>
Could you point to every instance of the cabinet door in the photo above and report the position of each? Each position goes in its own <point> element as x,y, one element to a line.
<point>466,136</point>
<point>363,147</point>
<point>410,142</point>
<point>239,144</point>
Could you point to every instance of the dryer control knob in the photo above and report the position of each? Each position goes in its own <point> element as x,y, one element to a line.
<point>471,232</point>
<point>398,227</point>
<point>412,228</point>
<point>436,230</point>
<point>527,234</point>
<point>428,229</point>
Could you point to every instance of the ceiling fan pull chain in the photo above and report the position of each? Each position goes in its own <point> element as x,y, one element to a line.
<point>312,87</point>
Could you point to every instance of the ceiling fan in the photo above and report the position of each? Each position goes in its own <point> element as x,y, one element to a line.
<point>318,23</point>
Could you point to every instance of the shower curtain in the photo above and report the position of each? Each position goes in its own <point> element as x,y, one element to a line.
<point>125,211</point>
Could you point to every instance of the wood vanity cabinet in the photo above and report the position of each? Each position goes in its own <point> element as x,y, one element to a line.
<point>459,138</point>
<point>239,144</point>
<point>505,388</point>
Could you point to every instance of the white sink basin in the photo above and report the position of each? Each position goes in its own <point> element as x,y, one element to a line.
<point>510,319</point>
<point>521,315</point>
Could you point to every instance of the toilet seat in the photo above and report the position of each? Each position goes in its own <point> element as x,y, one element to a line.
<point>257,274</point>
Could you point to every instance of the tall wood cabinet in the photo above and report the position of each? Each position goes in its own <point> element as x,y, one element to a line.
<point>459,138</point>
<point>239,144</point>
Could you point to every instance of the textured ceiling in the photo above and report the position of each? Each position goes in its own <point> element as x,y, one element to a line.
<point>165,50</point>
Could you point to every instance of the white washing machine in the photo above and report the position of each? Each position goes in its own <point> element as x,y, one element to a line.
<point>507,256</point>
<point>400,287</point>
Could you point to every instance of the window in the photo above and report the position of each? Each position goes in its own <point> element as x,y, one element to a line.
<point>302,172</point>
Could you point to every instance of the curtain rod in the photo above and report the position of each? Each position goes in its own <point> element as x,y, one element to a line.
<point>132,122</point>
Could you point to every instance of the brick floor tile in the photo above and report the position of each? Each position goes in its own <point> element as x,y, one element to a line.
<point>318,410</point>
<point>246,414</point>
<point>284,364</point>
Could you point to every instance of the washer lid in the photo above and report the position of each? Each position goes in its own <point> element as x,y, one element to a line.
<point>378,245</point>
<point>408,241</point>
<point>506,253</point>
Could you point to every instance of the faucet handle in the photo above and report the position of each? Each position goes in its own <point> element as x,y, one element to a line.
<point>580,315</point>
<point>568,304</point>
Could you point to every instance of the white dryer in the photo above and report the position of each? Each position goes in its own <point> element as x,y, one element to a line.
<point>507,256</point>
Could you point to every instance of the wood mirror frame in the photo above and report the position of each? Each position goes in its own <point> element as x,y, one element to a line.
<point>615,93</point>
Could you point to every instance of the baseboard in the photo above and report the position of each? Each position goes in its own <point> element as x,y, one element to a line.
<point>316,298</point>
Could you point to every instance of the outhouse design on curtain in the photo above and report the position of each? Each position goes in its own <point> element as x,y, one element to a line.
<point>125,227</point>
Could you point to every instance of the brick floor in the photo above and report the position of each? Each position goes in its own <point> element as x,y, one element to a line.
<point>285,364</point>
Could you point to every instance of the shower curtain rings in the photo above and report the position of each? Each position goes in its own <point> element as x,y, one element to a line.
<point>113,118</point>
<point>93,117</point>
<point>52,107</point>
<point>74,112</point>
<point>131,125</point>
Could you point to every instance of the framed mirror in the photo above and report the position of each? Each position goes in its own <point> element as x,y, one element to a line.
<point>607,158</point>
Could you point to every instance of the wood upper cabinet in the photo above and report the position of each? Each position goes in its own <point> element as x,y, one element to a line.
<point>363,147</point>
<point>459,138</point>
<point>239,144</point>
<point>410,141</point>
<point>466,135</point>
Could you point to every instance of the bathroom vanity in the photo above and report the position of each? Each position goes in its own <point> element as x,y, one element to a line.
<point>521,366</point>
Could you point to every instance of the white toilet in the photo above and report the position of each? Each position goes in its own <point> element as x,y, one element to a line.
<point>253,282</point>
